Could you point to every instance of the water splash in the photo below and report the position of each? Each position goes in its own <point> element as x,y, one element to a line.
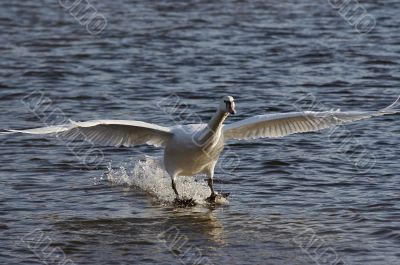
<point>148,174</point>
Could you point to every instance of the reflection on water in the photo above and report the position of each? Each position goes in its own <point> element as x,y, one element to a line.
<point>185,228</point>
<point>203,221</point>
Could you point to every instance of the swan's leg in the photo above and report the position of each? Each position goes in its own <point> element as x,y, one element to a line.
<point>181,202</point>
<point>174,187</point>
<point>210,182</point>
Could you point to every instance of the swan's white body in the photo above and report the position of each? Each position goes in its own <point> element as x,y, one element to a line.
<point>194,149</point>
<point>184,155</point>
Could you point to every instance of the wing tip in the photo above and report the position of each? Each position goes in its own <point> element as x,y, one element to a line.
<point>8,131</point>
<point>392,106</point>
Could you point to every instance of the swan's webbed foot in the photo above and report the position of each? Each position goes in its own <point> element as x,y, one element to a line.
<point>225,195</point>
<point>214,196</point>
<point>183,203</point>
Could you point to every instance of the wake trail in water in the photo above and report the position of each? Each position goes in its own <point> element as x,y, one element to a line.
<point>148,174</point>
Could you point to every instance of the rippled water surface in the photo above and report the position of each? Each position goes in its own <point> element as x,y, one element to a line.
<point>296,200</point>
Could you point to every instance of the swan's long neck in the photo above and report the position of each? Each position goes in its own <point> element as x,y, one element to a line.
<point>217,120</point>
<point>213,126</point>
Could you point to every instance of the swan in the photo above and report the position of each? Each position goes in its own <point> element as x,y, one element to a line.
<point>194,149</point>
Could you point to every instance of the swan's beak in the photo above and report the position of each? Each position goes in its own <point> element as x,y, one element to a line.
<point>231,107</point>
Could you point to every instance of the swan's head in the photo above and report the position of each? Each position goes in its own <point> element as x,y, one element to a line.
<point>227,105</point>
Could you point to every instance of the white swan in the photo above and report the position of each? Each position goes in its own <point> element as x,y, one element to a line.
<point>194,149</point>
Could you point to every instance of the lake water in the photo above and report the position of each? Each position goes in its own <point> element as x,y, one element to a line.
<point>321,198</point>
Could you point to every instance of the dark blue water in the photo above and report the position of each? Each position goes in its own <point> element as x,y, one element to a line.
<point>302,199</point>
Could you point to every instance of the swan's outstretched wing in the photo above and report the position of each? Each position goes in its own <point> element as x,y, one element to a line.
<point>107,132</point>
<point>279,125</point>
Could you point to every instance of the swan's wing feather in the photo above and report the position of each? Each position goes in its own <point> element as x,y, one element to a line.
<point>279,125</point>
<point>108,132</point>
